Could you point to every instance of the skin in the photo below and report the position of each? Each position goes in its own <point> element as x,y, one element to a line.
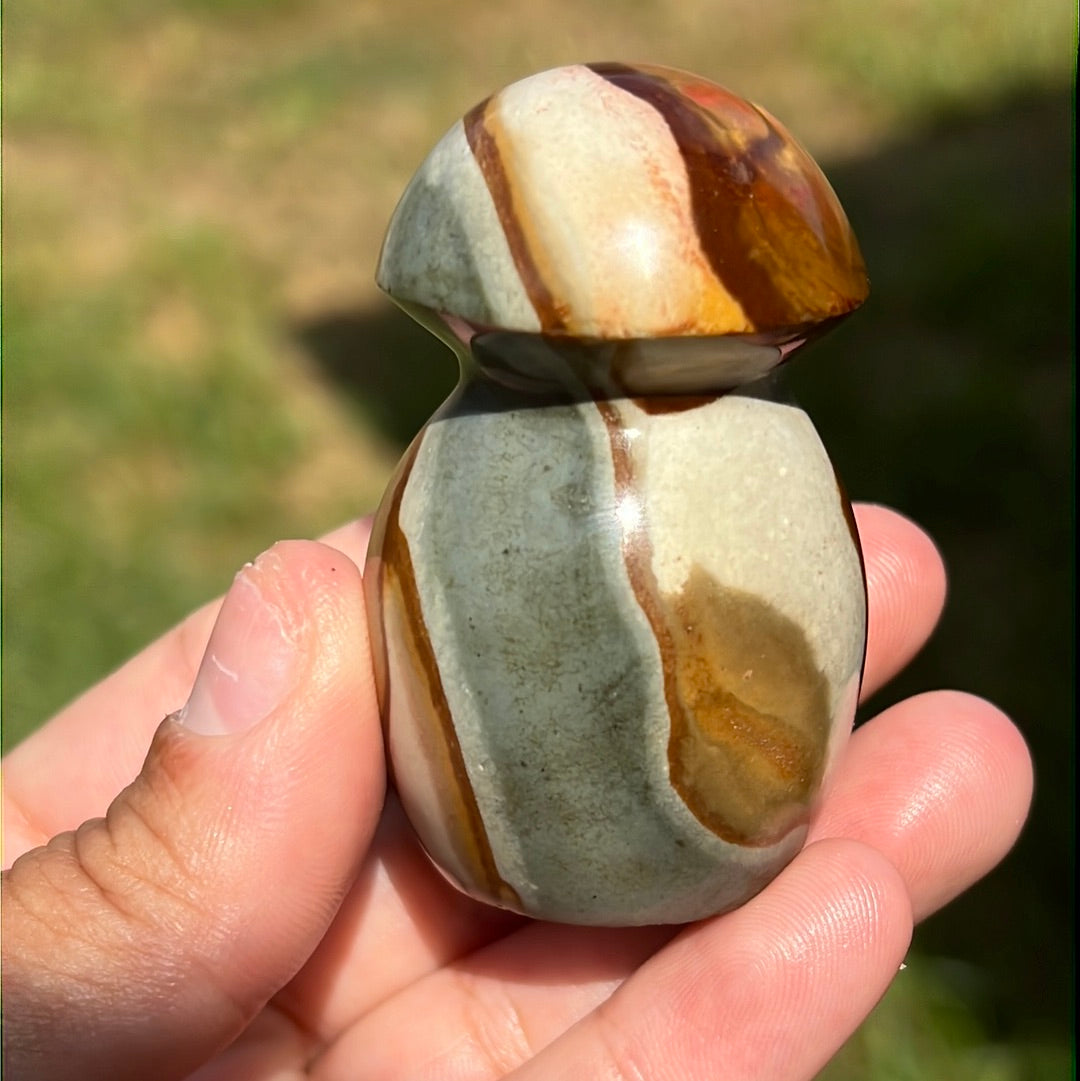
<point>249,908</point>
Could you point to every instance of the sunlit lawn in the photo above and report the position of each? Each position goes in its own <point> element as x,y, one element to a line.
<point>196,362</point>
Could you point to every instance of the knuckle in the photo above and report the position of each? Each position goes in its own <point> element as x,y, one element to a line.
<point>122,882</point>
<point>624,1055</point>
<point>493,1026</point>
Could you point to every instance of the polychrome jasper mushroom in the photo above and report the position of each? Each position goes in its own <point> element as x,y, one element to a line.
<point>615,590</point>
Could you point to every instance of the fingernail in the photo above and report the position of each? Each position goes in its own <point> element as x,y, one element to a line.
<point>250,662</point>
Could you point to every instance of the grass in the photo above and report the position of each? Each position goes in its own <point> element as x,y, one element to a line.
<point>928,1026</point>
<point>197,363</point>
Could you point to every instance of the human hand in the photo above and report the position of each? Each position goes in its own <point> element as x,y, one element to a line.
<point>243,910</point>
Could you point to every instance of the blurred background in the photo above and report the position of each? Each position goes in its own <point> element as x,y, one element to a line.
<point>197,362</point>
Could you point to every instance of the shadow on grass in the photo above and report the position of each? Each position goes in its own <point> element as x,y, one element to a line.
<point>396,372</point>
<point>950,396</point>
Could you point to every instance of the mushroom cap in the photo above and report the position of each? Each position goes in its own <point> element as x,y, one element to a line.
<point>613,202</point>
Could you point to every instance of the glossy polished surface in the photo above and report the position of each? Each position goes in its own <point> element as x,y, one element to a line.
<point>647,203</point>
<point>617,607</point>
<point>602,708</point>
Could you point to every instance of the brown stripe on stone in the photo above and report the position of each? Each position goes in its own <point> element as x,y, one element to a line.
<point>748,708</point>
<point>748,751</point>
<point>481,131</point>
<point>672,403</point>
<point>768,222</point>
<point>438,735</point>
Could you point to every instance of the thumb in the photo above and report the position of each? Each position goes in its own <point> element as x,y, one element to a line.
<point>141,943</point>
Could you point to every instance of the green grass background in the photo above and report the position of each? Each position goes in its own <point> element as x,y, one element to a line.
<point>196,361</point>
